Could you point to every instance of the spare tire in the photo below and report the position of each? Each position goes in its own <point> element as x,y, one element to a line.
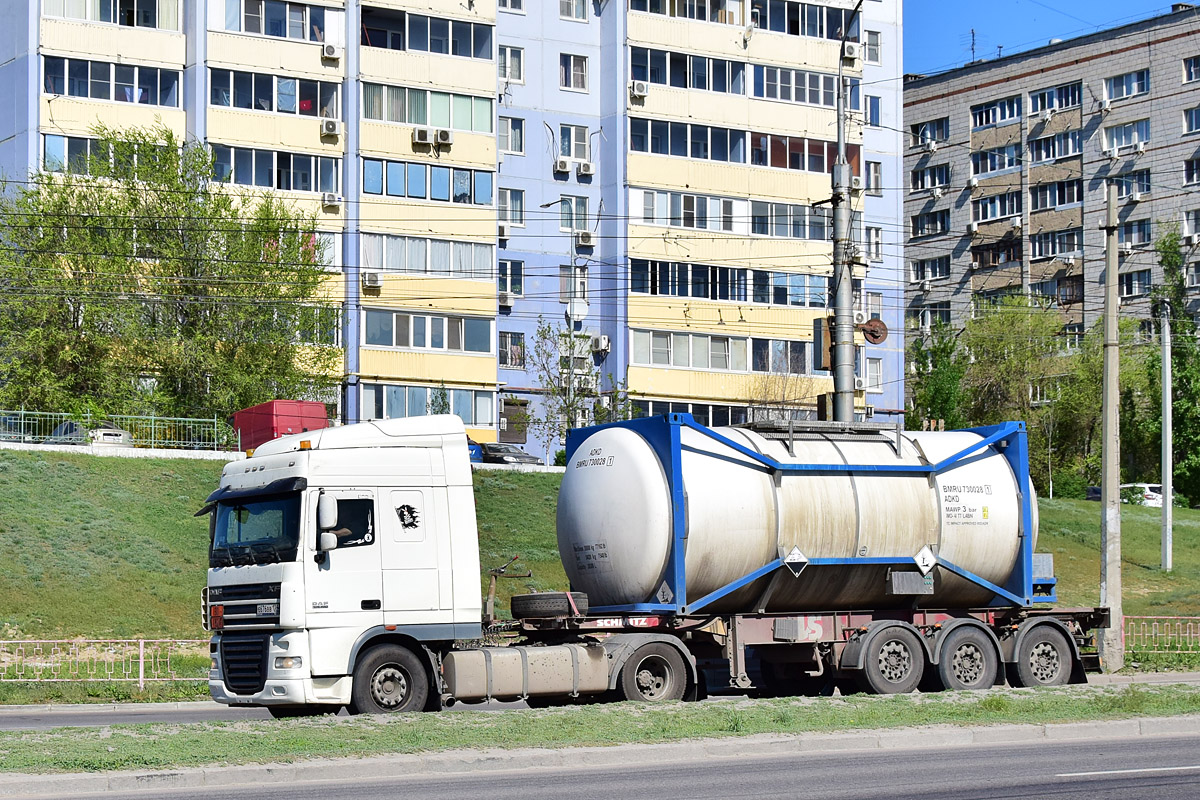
<point>547,604</point>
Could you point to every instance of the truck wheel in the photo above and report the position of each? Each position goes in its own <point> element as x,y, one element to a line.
<point>389,678</point>
<point>968,661</point>
<point>547,604</point>
<point>655,673</point>
<point>1043,659</point>
<point>893,662</point>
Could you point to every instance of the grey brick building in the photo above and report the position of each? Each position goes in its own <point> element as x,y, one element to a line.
<point>1007,163</point>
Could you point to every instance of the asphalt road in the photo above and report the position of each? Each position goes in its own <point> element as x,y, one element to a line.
<point>1120,769</point>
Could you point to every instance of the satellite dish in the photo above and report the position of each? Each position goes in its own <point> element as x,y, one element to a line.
<point>577,310</point>
<point>874,331</point>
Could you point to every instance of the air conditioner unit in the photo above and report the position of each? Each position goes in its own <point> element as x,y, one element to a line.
<point>1112,153</point>
<point>925,286</point>
<point>585,168</point>
<point>851,52</point>
<point>372,280</point>
<point>1135,197</point>
<point>860,384</point>
<point>857,184</point>
<point>562,164</point>
<point>422,136</point>
<point>1125,249</point>
<point>972,227</point>
<point>601,343</point>
<point>605,401</point>
<point>331,200</point>
<point>639,89</point>
<point>974,265</point>
<point>930,147</point>
<point>1139,148</point>
<point>443,136</point>
<point>585,239</point>
<point>502,230</point>
<point>1190,239</point>
<point>1015,222</point>
<point>504,299</point>
<point>585,381</point>
<point>936,192</point>
<point>331,52</point>
<point>973,182</point>
<point>1105,104</point>
<point>861,317</point>
<point>1047,114</point>
<point>331,127</point>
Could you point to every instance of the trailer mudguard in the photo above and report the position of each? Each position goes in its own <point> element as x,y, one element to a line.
<point>622,645</point>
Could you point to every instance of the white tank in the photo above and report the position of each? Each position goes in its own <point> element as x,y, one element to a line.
<point>614,518</point>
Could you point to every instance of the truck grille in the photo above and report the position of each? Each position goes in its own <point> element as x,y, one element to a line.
<point>244,662</point>
<point>242,602</point>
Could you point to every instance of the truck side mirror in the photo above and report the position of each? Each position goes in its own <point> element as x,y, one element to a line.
<point>327,541</point>
<point>327,514</point>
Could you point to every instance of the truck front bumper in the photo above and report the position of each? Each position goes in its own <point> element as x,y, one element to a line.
<point>279,686</point>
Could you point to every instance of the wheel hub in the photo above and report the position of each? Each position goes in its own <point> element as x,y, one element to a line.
<point>1044,662</point>
<point>894,661</point>
<point>968,664</point>
<point>389,686</point>
<point>652,679</point>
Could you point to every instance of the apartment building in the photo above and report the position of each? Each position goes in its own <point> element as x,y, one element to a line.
<point>1008,161</point>
<point>652,174</point>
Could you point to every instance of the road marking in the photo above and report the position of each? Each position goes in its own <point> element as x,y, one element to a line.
<point>1124,771</point>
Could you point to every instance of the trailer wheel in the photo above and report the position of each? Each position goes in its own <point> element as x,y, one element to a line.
<point>1043,659</point>
<point>893,662</point>
<point>389,678</point>
<point>968,661</point>
<point>547,604</point>
<point>655,673</point>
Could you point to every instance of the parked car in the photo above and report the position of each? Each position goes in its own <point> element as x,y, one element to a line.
<point>474,450</point>
<point>1093,493</point>
<point>11,430</point>
<point>1151,493</point>
<point>499,453</point>
<point>105,435</point>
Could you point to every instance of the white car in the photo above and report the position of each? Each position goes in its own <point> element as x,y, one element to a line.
<point>1151,493</point>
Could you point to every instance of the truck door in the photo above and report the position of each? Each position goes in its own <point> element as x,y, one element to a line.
<point>346,588</point>
<point>408,528</point>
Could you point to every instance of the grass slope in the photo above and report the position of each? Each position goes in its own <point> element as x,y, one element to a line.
<point>108,547</point>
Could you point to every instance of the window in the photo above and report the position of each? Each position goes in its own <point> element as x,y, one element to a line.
<point>1191,120</point>
<point>1134,284</point>
<point>512,350</point>
<point>874,244</point>
<point>69,153</point>
<point>573,9</point>
<point>510,135</point>
<point>1128,85</point>
<point>682,210</point>
<point>1060,97</point>
<point>572,283</point>
<point>446,184</point>
<point>687,71</point>
<point>1191,221</point>
<point>423,107</point>
<point>803,19</point>
<point>932,223</point>
<point>791,221</point>
<point>1191,170</point>
<point>510,206</point>
<point>512,5</point>
<point>1127,135</point>
<point>1061,145</point>
<point>259,92</point>
<point>1054,195</point>
<point>285,20</point>
<point>399,30</point>
<point>695,351</point>
<point>426,332</point>
<point>996,207</point>
<point>160,14</point>
<point>1056,243</point>
<point>873,55</point>
<point>510,61</point>
<point>874,178</point>
<point>319,326</point>
<point>874,114</point>
<point>683,140</point>
<point>930,177</point>
<point>1131,182</point>
<point>100,80</point>
<point>1136,232</point>
<point>573,213</point>
<point>386,401</point>
<point>572,72</point>
<point>997,112</point>
<point>511,276</point>
<point>996,159</point>
<point>298,172</point>
<point>1191,69</point>
<point>937,130</point>
<point>420,256</point>
<point>573,141</point>
<point>725,11</point>
<point>1002,252</point>
<point>779,356</point>
<point>929,268</point>
<point>875,374</point>
<point>798,86</point>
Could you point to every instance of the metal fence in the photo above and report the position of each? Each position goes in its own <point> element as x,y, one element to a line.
<point>1162,634</point>
<point>37,427</point>
<point>138,661</point>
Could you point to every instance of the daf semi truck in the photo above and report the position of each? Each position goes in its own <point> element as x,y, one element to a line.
<point>344,569</point>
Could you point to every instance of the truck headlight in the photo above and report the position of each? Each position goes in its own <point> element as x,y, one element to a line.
<point>288,662</point>
<point>213,665</point>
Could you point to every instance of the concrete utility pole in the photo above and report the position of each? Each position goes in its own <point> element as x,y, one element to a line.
<point>843,278</point>
<point>1112,650</point>
<point>1168,391</point>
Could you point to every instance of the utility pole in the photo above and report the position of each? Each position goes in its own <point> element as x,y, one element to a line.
<point>1112,651</point>
<point>1168,390</point>
<point>843,277</point>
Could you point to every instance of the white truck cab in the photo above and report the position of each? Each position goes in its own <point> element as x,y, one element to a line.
<point>343,549</point>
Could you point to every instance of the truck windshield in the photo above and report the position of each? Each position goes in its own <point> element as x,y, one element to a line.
<point>255,530</point>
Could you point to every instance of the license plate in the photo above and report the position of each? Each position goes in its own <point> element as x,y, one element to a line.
<point>268,609</point>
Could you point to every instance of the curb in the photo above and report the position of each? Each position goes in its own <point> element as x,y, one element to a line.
<point>457,762</point>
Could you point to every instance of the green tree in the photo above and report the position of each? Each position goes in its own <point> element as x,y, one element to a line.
<point>135,282</point>
<point>938,364</point>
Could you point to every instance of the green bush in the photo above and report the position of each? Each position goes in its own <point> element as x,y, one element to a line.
<point>1070,486</point>
<point>560,458</point>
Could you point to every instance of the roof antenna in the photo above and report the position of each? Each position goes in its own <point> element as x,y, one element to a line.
<point>972,44</point>
<point>999,51</point>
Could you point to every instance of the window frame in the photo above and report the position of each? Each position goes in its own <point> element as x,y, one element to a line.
<point>568,72</point>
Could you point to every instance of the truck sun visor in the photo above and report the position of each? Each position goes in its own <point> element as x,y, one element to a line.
<point>281,486</point>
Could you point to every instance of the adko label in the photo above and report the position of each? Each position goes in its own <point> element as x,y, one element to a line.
<point>594,458</point>
<point>966,503</point>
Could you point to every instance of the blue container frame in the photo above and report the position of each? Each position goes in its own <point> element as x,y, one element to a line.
<point>663,434</point>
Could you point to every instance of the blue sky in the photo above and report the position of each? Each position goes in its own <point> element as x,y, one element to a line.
<point>937,33</point>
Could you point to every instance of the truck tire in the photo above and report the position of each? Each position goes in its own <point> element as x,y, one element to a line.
<point>968,661</point>
<point>893,662</point>
<point>547,604</point>
<point>1044,658</point>
<point>389,678</point>
<point>655,673</point>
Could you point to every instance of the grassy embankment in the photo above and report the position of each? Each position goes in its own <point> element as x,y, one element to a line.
<point>108,548</point>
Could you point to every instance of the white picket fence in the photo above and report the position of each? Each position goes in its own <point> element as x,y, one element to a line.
<point>138,661</point>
